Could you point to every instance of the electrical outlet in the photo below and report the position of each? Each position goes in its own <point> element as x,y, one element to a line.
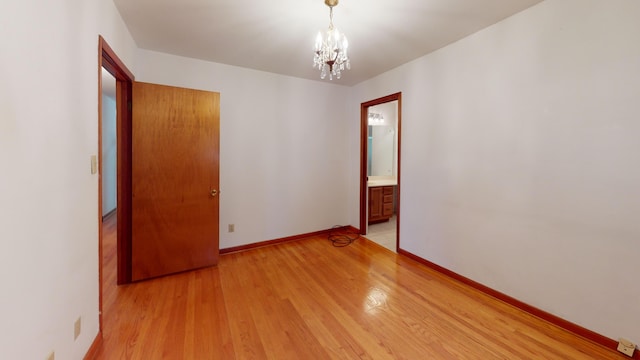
<point>232,228</point>
<point>52,356</point>
<point>626,347</point>
<point>77,328</point>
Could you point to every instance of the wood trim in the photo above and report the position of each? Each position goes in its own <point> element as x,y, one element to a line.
<point>92,353</point>
<point>363,169</point>
<point>553,319</point>
<point>284,240</point>
<point>399,174</point>
<point>124,182</point>
<point>110,213</point>
<point>364,107</point>
<point>100,215</point>
<point>124,79</point>
<point>382,100</point>
<point>112,62</point>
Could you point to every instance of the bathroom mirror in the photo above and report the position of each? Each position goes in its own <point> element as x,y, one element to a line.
<point>382,137</point>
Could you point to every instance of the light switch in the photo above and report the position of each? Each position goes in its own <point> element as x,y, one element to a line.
<point>94,164</point>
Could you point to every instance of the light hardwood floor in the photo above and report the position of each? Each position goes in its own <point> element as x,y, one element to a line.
<point>310,300</point>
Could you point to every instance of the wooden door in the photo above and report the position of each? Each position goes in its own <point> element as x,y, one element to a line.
<point>175,176</point>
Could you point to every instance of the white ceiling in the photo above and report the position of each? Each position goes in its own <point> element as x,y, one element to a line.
<point>278,36</point>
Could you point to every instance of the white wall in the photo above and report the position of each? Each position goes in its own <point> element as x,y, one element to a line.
<point>48,197</point>
<point>521,159</point>
<point>109,147</point>
<point>283,147</point>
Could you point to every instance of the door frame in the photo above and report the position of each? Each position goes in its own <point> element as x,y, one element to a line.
<point>108,60</point>
<point>364,147</point>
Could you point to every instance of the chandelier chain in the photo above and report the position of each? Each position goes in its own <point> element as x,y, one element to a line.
<point>331,17</point>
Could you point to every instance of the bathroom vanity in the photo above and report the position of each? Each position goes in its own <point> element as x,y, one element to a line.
<point>381,198</point>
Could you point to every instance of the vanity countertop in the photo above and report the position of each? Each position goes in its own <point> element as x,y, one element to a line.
<point>382,181</point>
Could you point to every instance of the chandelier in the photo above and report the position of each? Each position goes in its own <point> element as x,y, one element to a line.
<point>331,50</point>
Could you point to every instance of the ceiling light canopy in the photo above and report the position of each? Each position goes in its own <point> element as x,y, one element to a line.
<point>331,50</point>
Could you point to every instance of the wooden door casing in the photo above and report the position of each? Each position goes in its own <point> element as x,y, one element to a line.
<point>175,166</point>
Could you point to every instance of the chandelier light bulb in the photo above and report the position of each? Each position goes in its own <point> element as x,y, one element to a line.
<point>319,41</point>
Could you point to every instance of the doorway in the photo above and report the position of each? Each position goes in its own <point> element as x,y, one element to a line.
<point>380,130</point>
<point>109,61</point>
<point>174,133</point>
<point>114,97</point>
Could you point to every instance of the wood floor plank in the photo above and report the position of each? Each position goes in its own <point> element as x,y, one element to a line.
<point>309,300</point>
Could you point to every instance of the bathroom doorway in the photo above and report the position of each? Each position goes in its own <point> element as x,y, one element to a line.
<point>380,170</point>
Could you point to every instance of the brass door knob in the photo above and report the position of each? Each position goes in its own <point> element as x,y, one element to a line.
<point>214,192</point>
